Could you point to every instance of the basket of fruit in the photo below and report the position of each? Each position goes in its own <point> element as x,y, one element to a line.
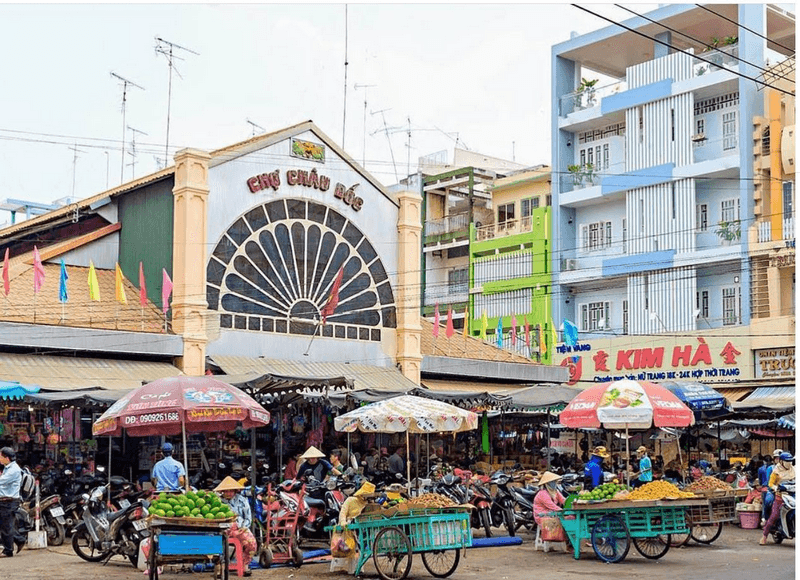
<point>194,509</point>
<point>709,486</point>
<point>604,492</point>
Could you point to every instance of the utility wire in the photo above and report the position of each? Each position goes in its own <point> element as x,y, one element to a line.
<point>668,45</point>
<point>775,42</point>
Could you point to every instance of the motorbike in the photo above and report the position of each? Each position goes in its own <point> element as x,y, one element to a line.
<point>502,511</point>
<point>324,501</point>
<point>480,497</point>
<point>51,518</point>
<point>72,496</point>
<point>523,509</point>
<point>785,526</point>
<point>102,533</point>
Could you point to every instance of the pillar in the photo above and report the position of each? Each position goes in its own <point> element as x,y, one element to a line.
<point>409,244</point>
<point>189,306</point>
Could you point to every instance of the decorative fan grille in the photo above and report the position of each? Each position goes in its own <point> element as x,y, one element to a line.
<point>273,270</point>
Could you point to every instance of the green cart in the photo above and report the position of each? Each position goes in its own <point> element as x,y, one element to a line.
<point>438,534</point>
<point>612,526</point>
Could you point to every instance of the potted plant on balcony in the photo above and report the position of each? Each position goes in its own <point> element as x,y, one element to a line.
<point>577,173</point>
<point>588,174</point>
<point>585,94</point>
<point>729,231</point>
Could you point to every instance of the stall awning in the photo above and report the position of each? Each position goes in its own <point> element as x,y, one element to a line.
<point>541,397</point>
<point>363,376</point>
<point>733,395</point>
<point>55,373</point>
<point>82,398</point>
<point>768,398</point>
<point>456,386</point>
<point>787,422</point>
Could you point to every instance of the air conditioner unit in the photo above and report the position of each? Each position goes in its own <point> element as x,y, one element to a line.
<point>699,137</point>
<point>571,264</point>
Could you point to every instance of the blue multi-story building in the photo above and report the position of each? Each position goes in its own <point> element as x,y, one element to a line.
<point>653,189</point>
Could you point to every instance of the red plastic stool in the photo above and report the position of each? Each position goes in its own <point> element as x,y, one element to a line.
<point>237,563</point>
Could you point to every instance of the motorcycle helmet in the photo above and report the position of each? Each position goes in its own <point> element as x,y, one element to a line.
<point>786,456</point>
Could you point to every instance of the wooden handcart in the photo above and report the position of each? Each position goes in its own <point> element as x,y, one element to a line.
<point>611,526</point>
<point>438,535</point>
<point>707,516</point>
<point>188,541</point>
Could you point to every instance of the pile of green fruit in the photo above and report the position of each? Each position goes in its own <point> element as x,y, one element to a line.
<point>604,491</point>
<point>200,504</point>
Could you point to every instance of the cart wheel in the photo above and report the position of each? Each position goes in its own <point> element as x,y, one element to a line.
<point>391,554</point>
<point>610,539</point>
<point>265,557</point>
<point>297,557</point>
<point>675,540</point>
<point>441,563</point>
<point>653,548</point>
<point>706,533</point>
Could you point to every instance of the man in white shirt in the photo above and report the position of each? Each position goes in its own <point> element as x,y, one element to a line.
<point>9,499</point>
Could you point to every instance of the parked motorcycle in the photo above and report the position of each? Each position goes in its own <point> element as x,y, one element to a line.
<point>785,526</point>
<point>523,506</point>
<point>481,498</point>
<point>102,533</point>
<point>503,503</point>
<point>51,518</point>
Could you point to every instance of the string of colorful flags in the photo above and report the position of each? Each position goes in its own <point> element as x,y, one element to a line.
<point>93,284</point>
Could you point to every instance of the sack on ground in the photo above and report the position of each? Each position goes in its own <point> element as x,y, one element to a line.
<point>552,530</point>
<point>343,544</point>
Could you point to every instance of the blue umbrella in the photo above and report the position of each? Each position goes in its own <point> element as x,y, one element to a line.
<point>15,390</point>
<point>704,401</point>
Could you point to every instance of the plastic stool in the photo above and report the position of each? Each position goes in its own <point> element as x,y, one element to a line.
<point>544,545</point>
<point>237,562</point>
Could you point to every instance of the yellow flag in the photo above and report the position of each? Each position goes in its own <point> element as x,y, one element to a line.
<point>94,287</point>
<point>484,325</point>
<point>554,333</point>
<point>542,345</point>
<point>120,290</point>
<point>466,321</point>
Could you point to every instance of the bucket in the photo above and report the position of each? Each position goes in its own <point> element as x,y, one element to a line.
<point>749,520</point>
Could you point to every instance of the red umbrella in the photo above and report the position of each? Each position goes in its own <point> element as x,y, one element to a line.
<point>173,405</point>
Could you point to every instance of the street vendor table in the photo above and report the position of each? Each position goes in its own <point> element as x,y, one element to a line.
<point>188,541</point>
<point>611,525</point>
<point>438,534</point>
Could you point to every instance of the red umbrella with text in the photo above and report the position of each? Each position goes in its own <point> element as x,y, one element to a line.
<point>626,404</point>
<point>183,405</point>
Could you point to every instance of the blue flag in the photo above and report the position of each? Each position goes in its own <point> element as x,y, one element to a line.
<point>499,332</point>
<point>63,296</point>
<point>570,333</point>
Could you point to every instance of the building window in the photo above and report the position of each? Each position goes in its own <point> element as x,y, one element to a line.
<point>594,316</point>
<point>702,303</point>
<point>788,199</point>
<point>624,234</point>
<point>716,103</point>
<point>702,217</point>
<point>590,156</point>
<point>730,210</point>
<point>640,114</point>
<point>730,306</point>
<point>596,236</point>
<point>528,205</point>
<point>700,126</point>
<point>765,141</point>
<point>624,317</point>
<point>505,212</point>
<point>729,131</point>
<point>606,157</point>
<point>672,123</point>
<point>674,200</point>
<point>458,281</point>
<point>549,200</point>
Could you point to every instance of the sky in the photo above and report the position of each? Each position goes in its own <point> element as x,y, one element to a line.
<point>475,76</point>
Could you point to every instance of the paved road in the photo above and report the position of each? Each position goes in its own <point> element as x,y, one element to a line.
<point>736,555</point>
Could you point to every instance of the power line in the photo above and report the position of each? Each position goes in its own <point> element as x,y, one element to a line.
<point>668,45</point>
<point>775,42</point>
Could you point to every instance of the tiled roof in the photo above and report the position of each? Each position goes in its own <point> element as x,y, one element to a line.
<point>460,346</point>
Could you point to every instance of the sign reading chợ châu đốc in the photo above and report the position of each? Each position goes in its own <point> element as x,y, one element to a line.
<point>774,363</point>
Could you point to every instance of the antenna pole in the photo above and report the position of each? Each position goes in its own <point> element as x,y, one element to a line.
<point>166,48</point>
<point>408,157</point>
<point>125,83</point>
<point>344,111</point>
<point>364,139</point>
<point>255,126</point>
<point>132,152</point>
<point>75,152</point>
<point>386,131</point>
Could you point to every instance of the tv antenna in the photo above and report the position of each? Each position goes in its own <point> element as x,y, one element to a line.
<point>75,152</point>
<point>387,130</point>
<point>255,126</point>
<point>364,138</point>
<point>125,82</point>
<point>132,152</point>
<point>167,48</point>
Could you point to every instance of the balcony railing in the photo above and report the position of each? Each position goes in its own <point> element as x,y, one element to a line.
<point>788,227</point>
<point>447,224</point>
<point>588,98</point>
<point>723,57</point>
<point>446,294</point>
<point>764,230</point>
<point>506,228</point>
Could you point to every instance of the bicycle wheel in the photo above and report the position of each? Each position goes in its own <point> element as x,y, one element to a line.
<point>610,539</point>
<point>441,563</point>
<point>391,554</point>
<point>706,533</point>
<point>653,548</point>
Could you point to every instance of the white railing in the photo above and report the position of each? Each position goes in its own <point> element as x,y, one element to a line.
<point>724,57</point>
<point>788,227</point>
<point>588,98</point>
<point>444,294</point>
<point>764,231</point>
<point>506,228</point>
<point>447,224</point>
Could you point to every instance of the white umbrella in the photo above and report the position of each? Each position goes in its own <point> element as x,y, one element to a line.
<point>408,414</point>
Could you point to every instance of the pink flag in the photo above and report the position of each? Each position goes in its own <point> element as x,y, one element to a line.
<point>142,288</point>
<point>436,322</point>
<point>527,333</point>
<point>449,330</point>
<point>38,271</point>
<point>166,290</point>
<point>6,283</point>
<point>513,329</point>
<point>333,299</point>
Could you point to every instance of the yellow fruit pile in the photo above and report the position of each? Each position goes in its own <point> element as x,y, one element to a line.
<point>658,490</point>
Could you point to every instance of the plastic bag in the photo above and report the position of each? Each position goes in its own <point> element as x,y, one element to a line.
<point>552,530</point>
<point>343,544</point>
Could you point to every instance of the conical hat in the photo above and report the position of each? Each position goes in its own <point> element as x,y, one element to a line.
<point>312,452</point>
<point>229,484</point>
<point>547,477</point>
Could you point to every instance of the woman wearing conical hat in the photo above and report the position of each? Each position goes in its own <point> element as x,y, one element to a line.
<point>314,464</point>
<point>229,489</point>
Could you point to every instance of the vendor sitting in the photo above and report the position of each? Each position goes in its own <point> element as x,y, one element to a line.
<point>593,470</point>
<point>240,529</point>
<point>355,504</point>
<point>548,499</point>
<point>315,465</point>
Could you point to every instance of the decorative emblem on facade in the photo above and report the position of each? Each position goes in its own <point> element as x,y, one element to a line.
<point>308,150</point>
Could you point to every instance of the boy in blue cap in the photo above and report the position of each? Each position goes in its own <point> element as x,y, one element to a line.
<point>168,473</point>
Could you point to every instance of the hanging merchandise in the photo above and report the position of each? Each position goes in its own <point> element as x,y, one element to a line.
<point>298,424</point>
<point>53,439</point>
<point>485,433</point>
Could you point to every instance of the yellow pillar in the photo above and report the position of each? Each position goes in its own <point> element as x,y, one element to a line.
<point>409,248</point>
<point>189,306</point>
<point>775,183</point>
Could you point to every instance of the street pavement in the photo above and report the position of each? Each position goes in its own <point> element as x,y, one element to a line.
<point>736,555</point>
